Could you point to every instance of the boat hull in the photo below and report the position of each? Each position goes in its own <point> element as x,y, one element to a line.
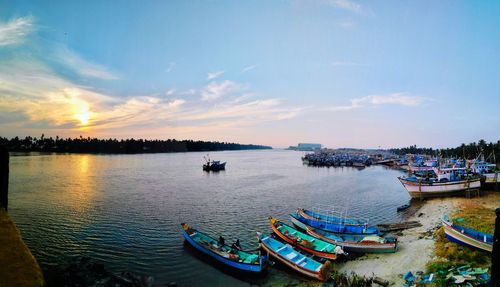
<point>337,228</point>
<point>436,189</point>
<point>306,272</point>
<point>252,268</point>
<point>491,177</point>
<point>455,234</point>
<point>326,255</point>
<point>349,246</point>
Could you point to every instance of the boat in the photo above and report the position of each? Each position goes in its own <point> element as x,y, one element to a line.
<point>487,170</point>
<point>304,241</point>
<point>333,224</point>
<point>467,236</point>
<point>285,254</point>
<point>213,165</point>
<point>352,243</point>
<point>228,255</point>
<point>440,185</point>
<point>403,207</point>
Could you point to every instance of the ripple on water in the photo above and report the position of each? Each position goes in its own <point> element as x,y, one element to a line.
<point>125,210</point>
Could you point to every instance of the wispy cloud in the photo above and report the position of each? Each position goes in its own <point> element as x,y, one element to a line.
<point>15,31</point>
<point>215,90</point>
<point>248,68</point>
<point>347,5</point>
<point>84,67</point>
<point>402,99</point>
<point>214,75</point>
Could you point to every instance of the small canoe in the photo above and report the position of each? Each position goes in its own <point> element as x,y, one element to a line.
<point>467,237</point>
<point>285,254</point>
<point>334,227</point>
<point>330,218</point>
<point>304,241</point>
<point>227,255</point>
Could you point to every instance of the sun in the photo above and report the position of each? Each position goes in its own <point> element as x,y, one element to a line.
<point>83,117</point>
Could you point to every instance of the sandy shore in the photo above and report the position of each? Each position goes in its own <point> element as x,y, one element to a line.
<point>416,245</point>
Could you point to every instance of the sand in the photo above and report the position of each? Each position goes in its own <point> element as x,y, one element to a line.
<point>416,245</point>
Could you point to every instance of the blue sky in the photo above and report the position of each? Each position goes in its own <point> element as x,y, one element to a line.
<point>337,72</point>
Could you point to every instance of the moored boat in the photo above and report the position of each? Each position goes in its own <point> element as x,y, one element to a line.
<point>285,254</point>
<point>227,255</point>
<point>352,243</point>
<point>332,223</point>
<point>467,236</point>
<point>214,165</point>
<point>418,188</point>
<point>305,241</point>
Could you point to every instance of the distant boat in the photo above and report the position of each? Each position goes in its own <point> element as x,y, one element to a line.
<point>213,165</point>
<point>227,255</point>
<point>468,237</point>
<point>304,241</point>
<point>366,244</point>
<point>292,258</point>
<point>333,226</point>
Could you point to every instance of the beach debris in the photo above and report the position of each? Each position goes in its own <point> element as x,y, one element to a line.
<point>388,227</point>
<point>458,276</point>
<point>380,281</point>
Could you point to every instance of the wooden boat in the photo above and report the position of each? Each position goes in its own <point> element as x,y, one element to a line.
<point>422,189</point>
<point>333,224</point>
<point>285,254</point>
<point>352,243</point>
<point>468,237</point>
<point>227,255</point>
<point>304,241</point>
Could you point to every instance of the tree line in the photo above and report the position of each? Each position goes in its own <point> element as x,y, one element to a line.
<point>465,151</point>
<point>95,145</point>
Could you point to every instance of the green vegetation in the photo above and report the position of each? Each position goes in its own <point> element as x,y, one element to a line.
<point>466,151</point>
<point>94,145</point>
<point>19,267</point>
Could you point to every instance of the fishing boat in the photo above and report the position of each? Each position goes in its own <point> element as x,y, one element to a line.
<point>332,223</point>
<point>443,185</point>
<point>352,243</point>
<point>467,237</point>
<point>285,254</point>
<point>305,241</point>
<point>214,165</point>
<point>487,170</point>
<point>227,255</point>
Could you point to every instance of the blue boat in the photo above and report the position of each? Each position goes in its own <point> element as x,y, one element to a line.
<point>227,255</point>
<point>332,226</point>
<point>330,218</point>
<point>467,236</point>
<point>294,259</point>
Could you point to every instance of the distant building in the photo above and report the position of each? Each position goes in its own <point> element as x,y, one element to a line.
<point>308,146</point>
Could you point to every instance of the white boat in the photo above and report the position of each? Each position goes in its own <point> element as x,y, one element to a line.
<point>487,170</point>
<point>448,181</point>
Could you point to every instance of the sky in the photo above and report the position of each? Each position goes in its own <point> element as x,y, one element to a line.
<point>343,73</point>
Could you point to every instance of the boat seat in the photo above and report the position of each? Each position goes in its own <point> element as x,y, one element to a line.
<point>291,255</point>
<point>281,248</point>
<point>319,268</point>
<point>193,234</point>
<point>301,260</point>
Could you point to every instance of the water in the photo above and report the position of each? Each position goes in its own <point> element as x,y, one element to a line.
<point>125,210</point>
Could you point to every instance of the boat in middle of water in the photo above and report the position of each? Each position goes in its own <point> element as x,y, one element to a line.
<point>304,241</point>
<point>332,223</point>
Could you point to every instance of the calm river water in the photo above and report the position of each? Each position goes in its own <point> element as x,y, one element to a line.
<point>125,210</point>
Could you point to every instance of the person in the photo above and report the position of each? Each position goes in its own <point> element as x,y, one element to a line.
<point>236,244</point>
<point>222,241</point>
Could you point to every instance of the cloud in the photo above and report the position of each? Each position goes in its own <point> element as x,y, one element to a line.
<point>376,100</point>
<point>15,31</point>
<point>215,90</point>
<point>347,5</point>
<point>248,68</point>
<point>214,75</point>
<point>84,67</point>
